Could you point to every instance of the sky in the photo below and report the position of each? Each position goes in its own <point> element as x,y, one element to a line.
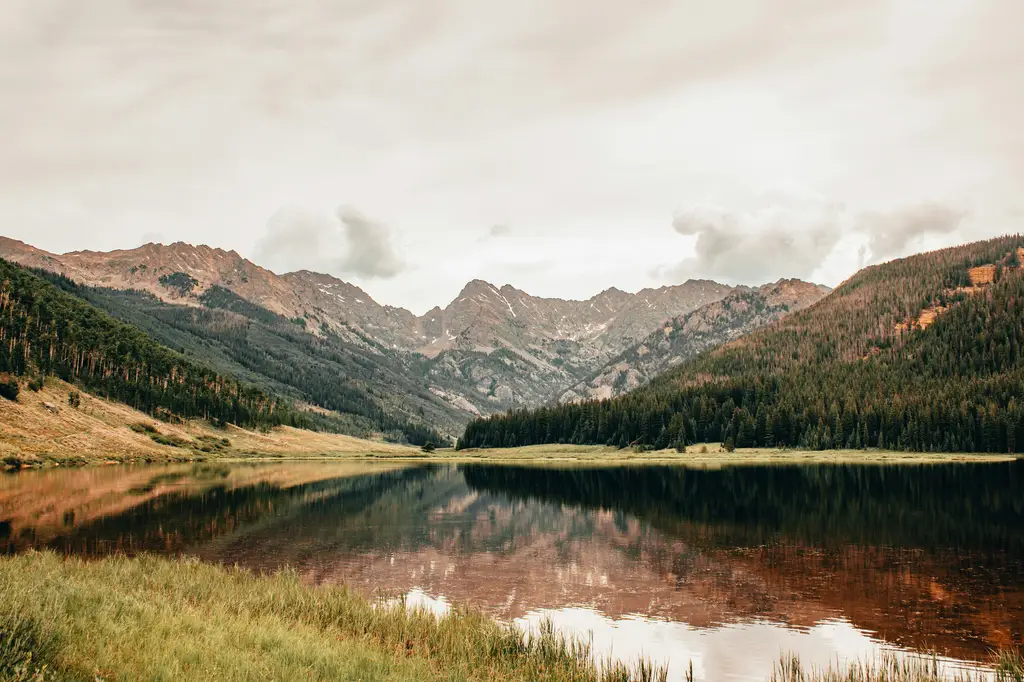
<point>409,146</point>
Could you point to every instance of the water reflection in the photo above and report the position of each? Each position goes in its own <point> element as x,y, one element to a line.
<point>824,560</point>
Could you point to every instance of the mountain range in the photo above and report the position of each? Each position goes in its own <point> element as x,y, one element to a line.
<point>922,353</point>
<point>490,349</point>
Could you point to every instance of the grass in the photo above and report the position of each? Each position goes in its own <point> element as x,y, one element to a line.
<point>179,619</point>
<point>106,432</point>
<point>704,455</point>
<point>163,619</point>
<point>1007,667</point>
<point>100,431</point>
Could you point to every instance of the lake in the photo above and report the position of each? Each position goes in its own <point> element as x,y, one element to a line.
<point>725,567</point>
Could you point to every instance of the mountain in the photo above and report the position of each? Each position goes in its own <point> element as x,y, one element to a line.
<point>180,273</point>
<point>489,349</point>
<point>684,336</point>
<point>49,332</point>
<point>921,353</point>
<point>365,392</point>
<point>492,348</point>
<point>518,349</point>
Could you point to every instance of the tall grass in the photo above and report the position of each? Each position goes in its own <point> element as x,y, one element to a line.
<point>162,619</point>
<point>890,667</point>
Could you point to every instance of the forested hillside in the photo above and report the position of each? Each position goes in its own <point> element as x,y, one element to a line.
<point>683,337</point>
<point>45,331</point>
<point>922,353</point>
<point>367,387</point>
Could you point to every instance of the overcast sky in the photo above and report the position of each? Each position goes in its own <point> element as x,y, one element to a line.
<point>562,147</point>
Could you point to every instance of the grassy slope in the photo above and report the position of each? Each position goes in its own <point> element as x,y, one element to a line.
<point>161,619</point>
<point>705,455</point>
<point>98,432</point>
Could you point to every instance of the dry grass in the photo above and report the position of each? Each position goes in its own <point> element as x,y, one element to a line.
<point>159,619</point>
<point>108,432</point>
<point>103,431</point>
<point>707,455</point>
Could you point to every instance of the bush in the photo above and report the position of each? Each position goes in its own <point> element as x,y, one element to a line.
<point>729,445</point>
<point>428,447</point>
<point>36,384</point>
<point>75,399</point>
<point>9,389</point>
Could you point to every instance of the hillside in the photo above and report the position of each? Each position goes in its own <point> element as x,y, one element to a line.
<point>921,353</point>
<point>364,390</point>
<point>40,428</point>
<point>45,331</point>
<point>683,337</point>
<point>489,349</point>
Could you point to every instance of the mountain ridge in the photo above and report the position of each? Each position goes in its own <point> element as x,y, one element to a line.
<point>505,346</point>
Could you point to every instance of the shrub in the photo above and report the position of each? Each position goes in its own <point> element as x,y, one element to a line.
<point>9,389</point>
<point>36,384</point>
<point>428,447</point>
<point>75,399</point>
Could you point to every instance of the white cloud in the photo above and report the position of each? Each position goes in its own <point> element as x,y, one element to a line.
<point>343,243</point>
<point>796,240</point>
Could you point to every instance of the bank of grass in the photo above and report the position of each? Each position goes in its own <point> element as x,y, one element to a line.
<point>162,619</point>
<point>889,667</point>
<point>155,618</point>
<point>705,455</point>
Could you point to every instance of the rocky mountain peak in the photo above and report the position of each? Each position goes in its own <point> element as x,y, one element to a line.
<point>545,344</point>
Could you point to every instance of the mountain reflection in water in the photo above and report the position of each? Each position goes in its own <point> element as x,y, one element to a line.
<point>922,557</point>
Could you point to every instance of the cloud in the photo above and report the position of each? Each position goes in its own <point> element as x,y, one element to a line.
<point>890,234</point>
<point>343,243</point>
<point>754,247</point>
<point>371,253</point>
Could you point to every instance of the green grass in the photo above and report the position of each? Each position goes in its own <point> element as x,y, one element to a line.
<point>1007,666</point>
<point>163,619</point>
<point>155,618</point>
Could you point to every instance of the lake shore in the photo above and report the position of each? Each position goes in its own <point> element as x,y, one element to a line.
<point>41,430</point>
<point>158,618</point>
<point>704,455</point>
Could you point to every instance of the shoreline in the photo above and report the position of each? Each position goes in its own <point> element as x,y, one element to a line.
<point>147,616</point>
<point>41,431</point>
<point>531,455</point>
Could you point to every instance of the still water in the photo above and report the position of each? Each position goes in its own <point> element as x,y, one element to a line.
<point>725,567</point>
